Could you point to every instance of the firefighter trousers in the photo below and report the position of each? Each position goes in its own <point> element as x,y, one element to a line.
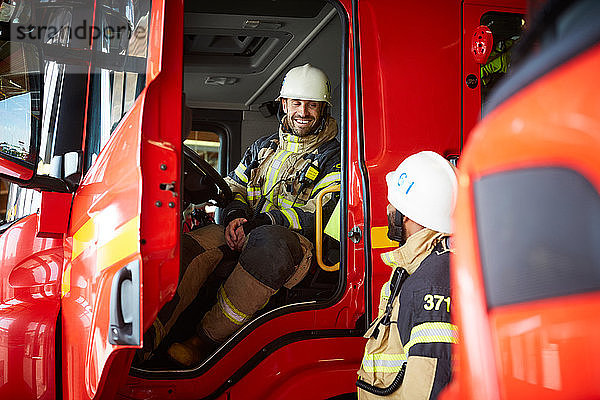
<point>273,256</point>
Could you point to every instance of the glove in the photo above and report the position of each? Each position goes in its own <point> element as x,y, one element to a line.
<point>260,219</point>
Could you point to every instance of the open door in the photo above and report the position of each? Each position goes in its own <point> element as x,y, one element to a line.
<point>124,257</point>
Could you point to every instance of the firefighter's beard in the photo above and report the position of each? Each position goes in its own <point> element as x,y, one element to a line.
<point>396,229</point>
<point>302,125</point>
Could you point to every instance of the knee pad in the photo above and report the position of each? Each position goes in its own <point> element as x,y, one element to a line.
<point>271,255</point>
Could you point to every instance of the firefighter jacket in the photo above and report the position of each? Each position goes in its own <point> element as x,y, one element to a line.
<point>279,177</point>
<point>413,345</point>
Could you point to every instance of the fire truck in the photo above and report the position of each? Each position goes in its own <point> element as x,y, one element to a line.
<point>525,276</point>
<point>93,95</point>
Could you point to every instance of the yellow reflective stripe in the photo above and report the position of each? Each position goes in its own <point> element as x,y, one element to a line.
<point>229,310</point>
<point>253,193</point>
<point>282,201</point>
<point>385,291</point>
<point>291,146</point>
<point>432,332</point>
<point>291,143</point>
<point>383,362</point>
<point>389,259</point>
<point>333,177</point>
<point>240,172</point>
<point>292,217</point>
<point>240,197</point>
<point>123,242</point>
<point>275,170</point>
<point>83,238</point>
<point>66,280</point>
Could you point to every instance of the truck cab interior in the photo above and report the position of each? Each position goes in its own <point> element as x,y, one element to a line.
<point>235,55</point>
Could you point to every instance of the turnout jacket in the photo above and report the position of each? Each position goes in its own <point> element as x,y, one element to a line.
<point>419,334</point>
<point>279,177</point>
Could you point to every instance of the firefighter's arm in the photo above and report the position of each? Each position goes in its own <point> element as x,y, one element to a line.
<point>238,181</point>
<point>429,346</point>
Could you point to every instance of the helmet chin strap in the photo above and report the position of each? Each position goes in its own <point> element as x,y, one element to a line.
<point>396,230</point>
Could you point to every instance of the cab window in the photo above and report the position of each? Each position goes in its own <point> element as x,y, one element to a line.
<point>119,73</point>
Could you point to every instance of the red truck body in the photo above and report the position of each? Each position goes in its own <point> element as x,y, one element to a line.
<point>403,88</point>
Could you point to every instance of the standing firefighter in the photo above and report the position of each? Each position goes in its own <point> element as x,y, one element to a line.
<point>266,239</point>
<point>407,355</point>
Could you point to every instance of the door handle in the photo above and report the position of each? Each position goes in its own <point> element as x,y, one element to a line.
<point>124,316</point>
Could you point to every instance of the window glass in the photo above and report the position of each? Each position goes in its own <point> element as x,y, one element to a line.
<point>53,34</point>
<point>19,100</point>
<point>207,145</point>
<point>538,234</point>
<point>506,29</point>
<point>122,44</point>
<point>3,198</point>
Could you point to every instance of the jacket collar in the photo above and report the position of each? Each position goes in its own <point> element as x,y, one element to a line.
<point>413,252</point>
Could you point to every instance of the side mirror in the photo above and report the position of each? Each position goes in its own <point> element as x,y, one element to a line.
<point>20,106</point>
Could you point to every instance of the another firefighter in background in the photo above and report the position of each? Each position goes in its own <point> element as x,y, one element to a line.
<point>407,355</point>
<point>268,227</point>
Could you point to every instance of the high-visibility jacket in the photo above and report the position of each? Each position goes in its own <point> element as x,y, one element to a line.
<point>418,336</point>
<point>282,174</point>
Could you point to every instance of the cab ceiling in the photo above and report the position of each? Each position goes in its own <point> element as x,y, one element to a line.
<point>237,52</point>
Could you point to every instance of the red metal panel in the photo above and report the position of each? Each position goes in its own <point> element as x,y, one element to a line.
<point>309,369</point>
<point>30,300</point>
<point>54,214</point>
<point>15,170</point>
<point>546,124</point>
<point>410,60</point>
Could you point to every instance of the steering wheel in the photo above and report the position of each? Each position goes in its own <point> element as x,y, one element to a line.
<point>202,182</point>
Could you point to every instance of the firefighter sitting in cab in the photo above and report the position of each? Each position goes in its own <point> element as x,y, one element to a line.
<point>407,355</point>
<point>267,236</point>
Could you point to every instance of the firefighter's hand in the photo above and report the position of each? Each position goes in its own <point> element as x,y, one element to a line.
<point>234,234</point>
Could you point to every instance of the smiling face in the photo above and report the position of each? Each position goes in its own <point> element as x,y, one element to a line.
<point>303,116</point>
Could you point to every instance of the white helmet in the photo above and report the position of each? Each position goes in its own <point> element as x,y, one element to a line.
<point>423,188</point>
<point>306,83</point>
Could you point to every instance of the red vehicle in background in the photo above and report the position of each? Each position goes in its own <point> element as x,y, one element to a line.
<point>526,275</point>
<point>91,141</point>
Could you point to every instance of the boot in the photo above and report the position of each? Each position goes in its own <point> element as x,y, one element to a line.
<point>192,351</point>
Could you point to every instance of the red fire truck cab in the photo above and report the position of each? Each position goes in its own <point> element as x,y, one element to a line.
<point>92,113</point>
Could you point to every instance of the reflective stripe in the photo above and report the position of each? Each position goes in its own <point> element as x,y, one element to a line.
<point>274,172</point>
<point>330,178</point>
<point>292,218</point>
<point>389,259</point>
<point>240,197</point>
<point>285,203</point>
<point>291,143</point>
<point>291,146</point>
<point>240,172</point>
<point>380,362</point>
<point>232,313</point>
<point>385,291</point>
<point>432,332</point>
<point>253,193</point>
<point>267,206</point>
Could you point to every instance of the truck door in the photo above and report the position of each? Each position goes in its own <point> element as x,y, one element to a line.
<point>123,247</point>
